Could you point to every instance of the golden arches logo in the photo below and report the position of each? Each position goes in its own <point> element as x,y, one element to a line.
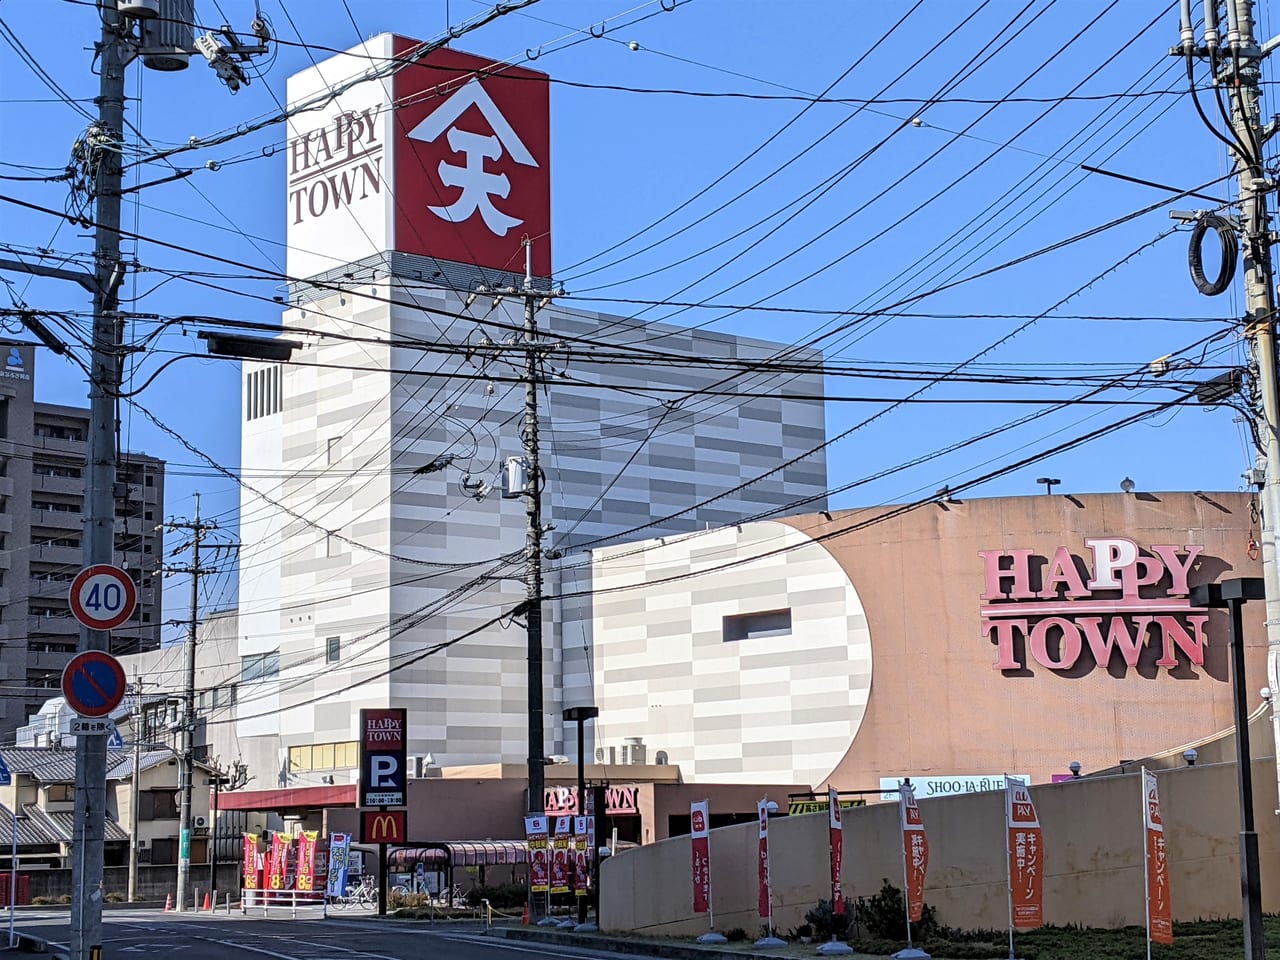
<point>383,828</point>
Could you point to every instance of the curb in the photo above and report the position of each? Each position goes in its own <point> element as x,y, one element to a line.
<point>26,943</point>
<point>671,951</point>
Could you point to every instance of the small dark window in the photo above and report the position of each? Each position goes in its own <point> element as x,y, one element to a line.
<point>756,626</point>
<point>332,649</point>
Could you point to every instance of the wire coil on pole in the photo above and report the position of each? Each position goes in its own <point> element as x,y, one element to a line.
<point>1230,248</point>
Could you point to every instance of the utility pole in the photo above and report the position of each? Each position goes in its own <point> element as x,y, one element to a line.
<point>99,500</point>
<point>534,298</point>
<point>198,530</point>
<point>1236,68</point>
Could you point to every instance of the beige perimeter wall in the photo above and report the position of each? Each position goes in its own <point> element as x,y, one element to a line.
<point>1093,857</point>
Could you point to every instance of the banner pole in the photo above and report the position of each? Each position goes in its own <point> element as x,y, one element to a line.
<point>1008,861</point>
<point>1146,865</point>
<point>906,883</point>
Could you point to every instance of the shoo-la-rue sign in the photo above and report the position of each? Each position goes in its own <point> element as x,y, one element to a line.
<point>1063,608</point>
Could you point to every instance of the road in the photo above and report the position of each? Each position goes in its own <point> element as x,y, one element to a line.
<point>139,934</point>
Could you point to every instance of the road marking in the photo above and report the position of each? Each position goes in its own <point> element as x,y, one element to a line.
<point>328,950</point>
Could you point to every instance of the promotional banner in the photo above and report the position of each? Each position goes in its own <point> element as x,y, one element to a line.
<point>1026,852</point>
<point>339,859</point>
<point>1159,908</point>
<point>915,849</point>
<point>560,857</point>
<point>837,850</point>
<point>700,820</point>
<point>305,878</point>
<point>582,831</point>
<point>535,831</point>
<point>250,866</point>
<point>383,767</point>
<point>765,901</point>
<point>278,861</point>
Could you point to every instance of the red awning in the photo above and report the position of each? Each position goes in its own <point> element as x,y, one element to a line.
<point>338,795</point>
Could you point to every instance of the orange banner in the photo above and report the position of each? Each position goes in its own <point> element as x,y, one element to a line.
<point>915,847</point>
<point>306,875</point>
<point>535,831</point>
<point>250,861</point>
<point>1159,908</point>
<point>278,861</point>
<point>1026,857</point>
<point>560,856</point>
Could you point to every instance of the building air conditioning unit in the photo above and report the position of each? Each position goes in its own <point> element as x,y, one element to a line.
<point>200,823</point>
<point>606,755</point>
<point>633,751</point>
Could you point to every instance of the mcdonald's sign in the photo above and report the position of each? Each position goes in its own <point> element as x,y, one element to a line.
<point>382,826</point>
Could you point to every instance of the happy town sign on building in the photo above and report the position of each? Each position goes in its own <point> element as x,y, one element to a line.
<point>1112,599</point>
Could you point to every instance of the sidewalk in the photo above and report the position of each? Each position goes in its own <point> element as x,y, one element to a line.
<point>660,948</point>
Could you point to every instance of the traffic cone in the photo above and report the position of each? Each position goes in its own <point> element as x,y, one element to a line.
<point>524,920</point>
<point>168,902</point>
<point>208,903</point>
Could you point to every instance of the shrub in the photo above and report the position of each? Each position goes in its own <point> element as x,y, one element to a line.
<point>41,901</point>
<point>826,923</point>
<point>884,916</point>
<point>115,897</point>
<point>736,935</point>
<point>800,932</point>
<point>65,898</point>
<point>504,896</point>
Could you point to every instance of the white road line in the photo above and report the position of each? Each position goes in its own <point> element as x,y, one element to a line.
<point>327,950</point>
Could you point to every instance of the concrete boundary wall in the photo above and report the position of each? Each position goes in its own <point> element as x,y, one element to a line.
<point>1093,857</point>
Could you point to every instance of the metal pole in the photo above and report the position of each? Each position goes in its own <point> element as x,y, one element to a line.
<point>189,719</point>
<point>134,798</point>
<point>1008,860</point>
<point>13,866</point>
<point>99,506</point>
<point>906,881</point>
<point>582,812</point>
<point>1146,861</point>
<point>1250,875</point>
<point>213,839</point>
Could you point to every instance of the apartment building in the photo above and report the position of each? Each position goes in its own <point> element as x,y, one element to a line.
<point>43,452</point>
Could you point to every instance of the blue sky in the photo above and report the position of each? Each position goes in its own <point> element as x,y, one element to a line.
<point>763,197</point>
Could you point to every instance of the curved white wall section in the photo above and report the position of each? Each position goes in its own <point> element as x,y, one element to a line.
<point>767,709</point>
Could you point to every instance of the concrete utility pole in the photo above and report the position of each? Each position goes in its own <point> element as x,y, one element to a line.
<point>1236,69</point>
<point>534,298</point>
<point>198,530</point>
<point>99,500</point>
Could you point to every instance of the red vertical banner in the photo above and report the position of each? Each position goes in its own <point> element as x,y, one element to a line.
<point>837,850</point>
<point>278,861</point>
<point>915,850</point>
<point>250,866</point>
<point>306,875</point>
<point>1159,907</point>
<point>700,820</point>
<point>535,829</point>
<point>560,857</point>
<point>765,900</point>
<point>1026,857</point>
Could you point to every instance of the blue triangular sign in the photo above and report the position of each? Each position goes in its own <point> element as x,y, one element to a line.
<point>4,773</point>
<point>115,741</point>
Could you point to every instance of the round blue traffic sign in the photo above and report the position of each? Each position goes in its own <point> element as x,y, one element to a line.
<point>93,683</point>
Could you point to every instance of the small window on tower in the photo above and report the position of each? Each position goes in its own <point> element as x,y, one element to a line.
<point>332,649</point>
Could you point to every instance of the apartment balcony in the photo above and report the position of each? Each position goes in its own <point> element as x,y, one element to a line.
<point>67,448</point>
<point>44,661</point>
<point>60,627</point>
<point>5,597</point>
<point>44,589</point>
<point>6,486</point>
<point>58,519</point>
<point>67,486</point>
<point>72,557</point>
<point>6,523</point>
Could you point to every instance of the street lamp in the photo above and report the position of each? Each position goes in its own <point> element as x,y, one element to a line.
<point>1190,756</point>
<point>580,715</point>
<point>217,782</point>
<point>1233,594</point>
<point>1074,767</point>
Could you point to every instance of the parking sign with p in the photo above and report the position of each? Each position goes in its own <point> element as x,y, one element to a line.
<point>383,768</point>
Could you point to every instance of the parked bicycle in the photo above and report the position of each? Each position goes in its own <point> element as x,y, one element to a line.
<point>362,894</point>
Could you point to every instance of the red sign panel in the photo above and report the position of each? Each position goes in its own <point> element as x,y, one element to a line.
<point>765,901</point>
<point>1026,857</point>
<point>472,160</point>
<point>915,848</point>
<point>837,850</point>
<point>1159,907</point>
<point>700,816</point>
<point>382,826</point>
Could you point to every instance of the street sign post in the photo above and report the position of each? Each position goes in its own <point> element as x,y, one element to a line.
<point>103,596</point>
<point>93,683</point>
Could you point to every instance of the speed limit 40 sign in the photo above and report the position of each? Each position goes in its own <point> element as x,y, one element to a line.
<point>103,596</point>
